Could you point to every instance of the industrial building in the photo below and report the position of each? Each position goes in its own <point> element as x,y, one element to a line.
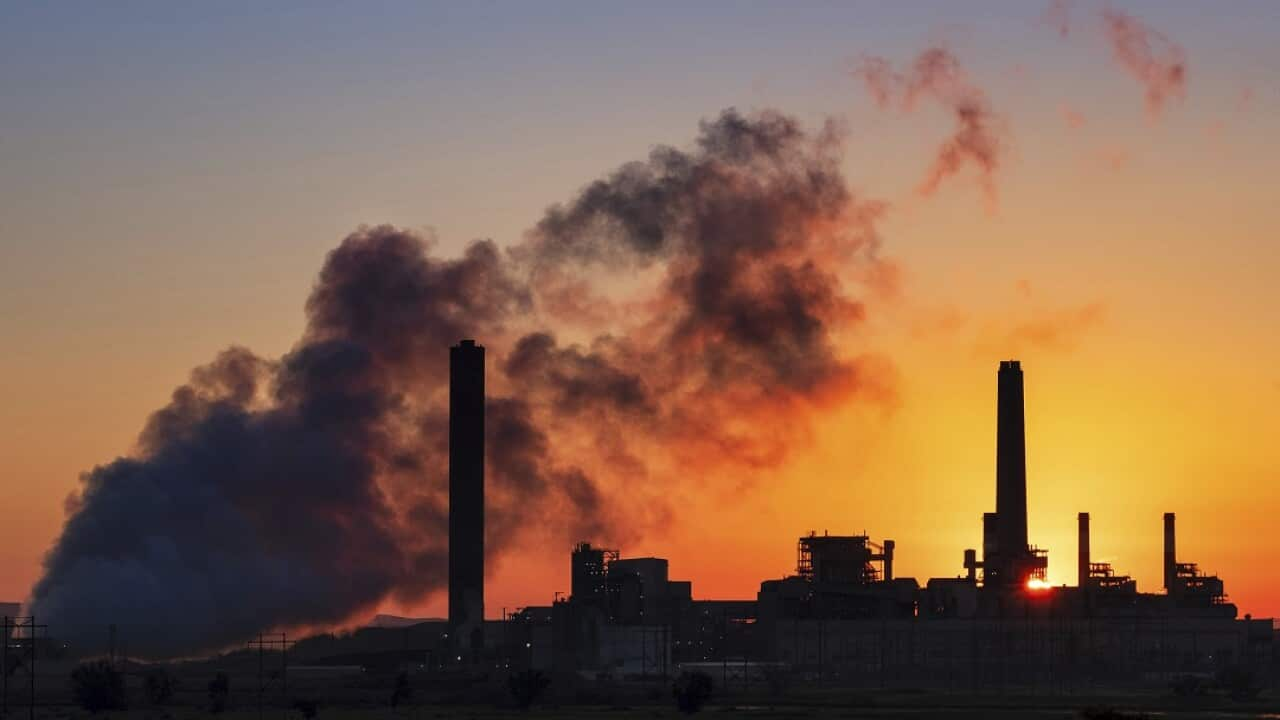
<point>466,493</point>
<point>844,616</point>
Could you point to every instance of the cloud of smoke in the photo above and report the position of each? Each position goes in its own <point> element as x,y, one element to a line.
<point>1150,57</point>
<point>1045,329</point>
<point>1058,16</point>
<point>300,492</point>
<point>1073,118</point>
<point>1154,60</point>
<point>936,74</point>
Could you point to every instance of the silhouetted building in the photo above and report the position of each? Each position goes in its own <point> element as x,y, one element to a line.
<point>638,589</point>
<point>466,491</point>
<point>844,617</point>
<point>589,574</point>
<point>1007,560</point>
<point>1189,589</point>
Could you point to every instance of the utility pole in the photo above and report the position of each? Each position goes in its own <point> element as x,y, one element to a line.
<point>4,669</point>
<point>263,643</point>
<point>14,626</point>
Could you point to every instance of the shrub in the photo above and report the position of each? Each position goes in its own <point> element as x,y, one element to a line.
<point>526,686</point>
<point>98,686</point>
<point>1106,713</point>
<point>1239,682</point>
<point>219,692</point>
<point>776,678</point>
<point>1188,686</point>
<point>308,708</point>
<point>403,691</point>
<point>159,685</point>
<point>691,691</point>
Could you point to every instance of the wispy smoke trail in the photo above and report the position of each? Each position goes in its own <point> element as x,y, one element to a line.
<point>1146,54</point>
<point>1058,16</point>
<point>1150,57</point>
<point>936,74</point>
<point>304,491</point>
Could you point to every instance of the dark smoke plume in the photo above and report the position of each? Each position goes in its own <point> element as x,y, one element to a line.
<point>302,492</point>
<point>936,74</point>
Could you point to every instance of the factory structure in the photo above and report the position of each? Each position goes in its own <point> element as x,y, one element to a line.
<point>466,495</point>
<point>844,617</point>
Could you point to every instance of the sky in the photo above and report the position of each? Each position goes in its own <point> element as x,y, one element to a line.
<point>171,179</point>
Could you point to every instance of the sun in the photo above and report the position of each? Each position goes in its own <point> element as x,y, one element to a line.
<point>1037,584</point>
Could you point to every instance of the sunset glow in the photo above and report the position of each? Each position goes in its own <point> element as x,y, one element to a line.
<point>928,190</point>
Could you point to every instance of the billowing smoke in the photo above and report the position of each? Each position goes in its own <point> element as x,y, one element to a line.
<point>679,320</point>
<point>936,74</point>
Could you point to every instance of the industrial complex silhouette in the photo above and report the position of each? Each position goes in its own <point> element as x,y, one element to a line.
<point>843,614</point>
<point>843,618</point>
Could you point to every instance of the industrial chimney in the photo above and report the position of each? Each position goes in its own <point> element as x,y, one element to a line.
<point>466,491</point>
<point>1082,569</point>
<point>1010,518</point>
<point>1170,553</point>
<point>1011,461</point>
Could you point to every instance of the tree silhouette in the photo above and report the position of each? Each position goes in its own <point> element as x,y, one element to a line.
<point>526,686</point>
<point>98,686</point>
<point>691,691</point>
<point>159,685</point>
<point>219,692</point>
<point>403,691</point>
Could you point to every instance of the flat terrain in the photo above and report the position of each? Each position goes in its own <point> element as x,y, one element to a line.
<point>639,713</point>
<point>350,692</point>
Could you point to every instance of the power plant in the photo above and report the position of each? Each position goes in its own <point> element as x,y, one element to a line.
<point>844,616</point>
<point>466,493</point>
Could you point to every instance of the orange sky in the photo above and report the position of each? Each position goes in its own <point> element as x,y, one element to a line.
<point>1130,262</point>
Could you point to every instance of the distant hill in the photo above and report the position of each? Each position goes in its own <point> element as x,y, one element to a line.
<point>395,621</point>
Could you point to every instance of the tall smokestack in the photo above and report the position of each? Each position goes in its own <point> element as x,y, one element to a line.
<point>1170,553</point>
<point>1082,569</point>
<point>1011,461</point>
<point>466,490</point>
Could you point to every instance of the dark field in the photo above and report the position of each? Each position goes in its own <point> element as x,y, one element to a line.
<point>350,692</point>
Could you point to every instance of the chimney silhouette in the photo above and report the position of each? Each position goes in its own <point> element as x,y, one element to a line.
<point>1082,567</point>
<point>466,490</point>
<point>1170,553</point>
<point>1011,462</point>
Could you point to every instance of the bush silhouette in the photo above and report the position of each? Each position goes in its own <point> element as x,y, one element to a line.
<point>308,708</point>
<point>1238,681</point>
<point>159,685</point>
<point>219,692</point>
<point>526,686</point>
<point>403,691</point>
<point>691,691</point>
<point>1108,713</point>
<point>1188,686</point>
<point>98,686</point>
